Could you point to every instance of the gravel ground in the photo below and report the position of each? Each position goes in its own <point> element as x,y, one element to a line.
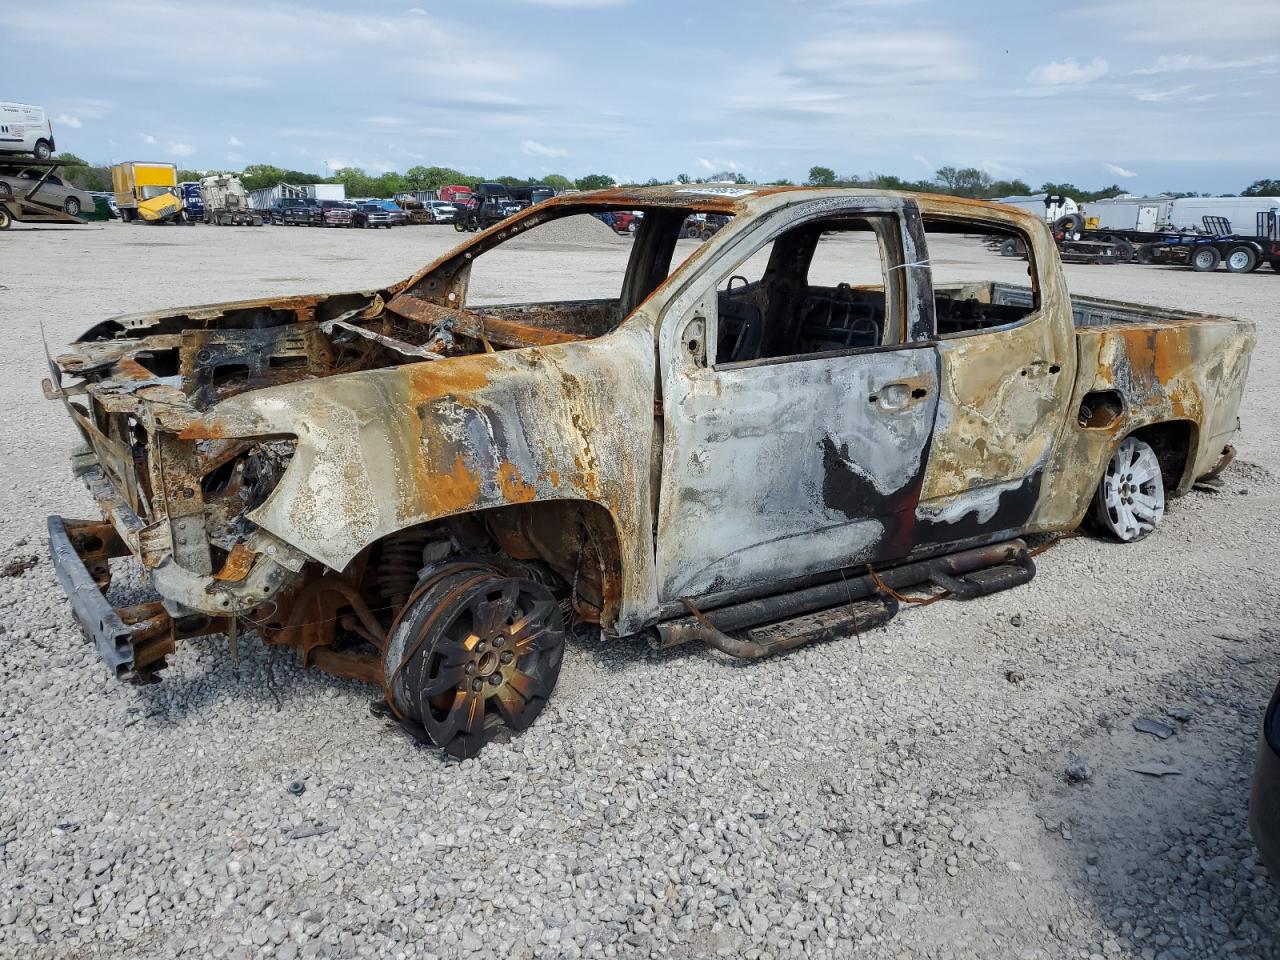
<point>903,795</point>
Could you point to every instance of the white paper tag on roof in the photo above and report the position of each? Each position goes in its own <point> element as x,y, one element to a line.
<point>717,191</point>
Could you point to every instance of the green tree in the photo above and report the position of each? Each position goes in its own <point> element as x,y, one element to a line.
<point>1262,188</point>
<point>557,182</point>
<point>821,177</point>
<point>356,182</point>
<point>433,178</point>
<point>258,175</point>
<point>388,185</point>
<point>594,181</point>
<point>683,178</point>
<point>83,175</point>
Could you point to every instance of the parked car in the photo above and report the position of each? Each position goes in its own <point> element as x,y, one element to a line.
<point>1264,802</point>
<point>397,216</point>
<point>337,213</point>
<point>737,452</point>
<point>25,128</point>
<point>441,211</point>
<point>372,215</point>
<point>20,181</point>
<point>296,211</point>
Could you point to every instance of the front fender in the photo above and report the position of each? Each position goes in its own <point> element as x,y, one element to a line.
<point>381,450</point>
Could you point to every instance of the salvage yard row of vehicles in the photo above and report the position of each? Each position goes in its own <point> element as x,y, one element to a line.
<point>742,448</point>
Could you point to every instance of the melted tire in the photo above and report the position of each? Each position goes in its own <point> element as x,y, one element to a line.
<point>473,652</point>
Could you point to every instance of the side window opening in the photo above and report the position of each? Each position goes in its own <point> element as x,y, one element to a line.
<point>964,304</point>
<point>586,297</point>
<point>825,286</point>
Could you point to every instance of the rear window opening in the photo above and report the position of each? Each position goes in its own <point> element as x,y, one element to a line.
<point>965,300</point>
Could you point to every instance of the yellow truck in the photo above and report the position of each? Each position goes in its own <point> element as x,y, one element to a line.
<point>147,191</point>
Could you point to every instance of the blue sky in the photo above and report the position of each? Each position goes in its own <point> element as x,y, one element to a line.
<point>1152,94</point>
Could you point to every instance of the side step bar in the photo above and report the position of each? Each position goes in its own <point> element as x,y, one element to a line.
<point>849,605</point>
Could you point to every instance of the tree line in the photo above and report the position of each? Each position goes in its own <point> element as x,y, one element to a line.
<point>960,182</point>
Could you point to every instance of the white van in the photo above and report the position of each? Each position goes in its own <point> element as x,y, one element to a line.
<point>25,129</point>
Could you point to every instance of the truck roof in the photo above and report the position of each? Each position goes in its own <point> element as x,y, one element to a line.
<point>751,200</point>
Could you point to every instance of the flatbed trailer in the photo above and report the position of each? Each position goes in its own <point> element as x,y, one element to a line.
<point>1203,251</point>
<point>27,208</point>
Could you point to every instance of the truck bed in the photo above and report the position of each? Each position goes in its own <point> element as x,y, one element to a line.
<point>1096,312</point>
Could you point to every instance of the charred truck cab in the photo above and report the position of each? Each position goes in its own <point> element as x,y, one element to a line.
<point>413,488</point>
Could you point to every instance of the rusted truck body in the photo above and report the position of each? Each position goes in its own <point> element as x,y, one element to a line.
<point>411,489</point>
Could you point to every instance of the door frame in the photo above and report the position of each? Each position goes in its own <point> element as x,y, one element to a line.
<point>687,344</point>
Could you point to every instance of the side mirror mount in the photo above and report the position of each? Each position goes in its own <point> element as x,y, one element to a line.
<point>693,341</point>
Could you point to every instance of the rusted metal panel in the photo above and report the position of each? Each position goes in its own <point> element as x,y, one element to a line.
<point>270,439</point>
<point>1189,370</point>
<point>381,450</point>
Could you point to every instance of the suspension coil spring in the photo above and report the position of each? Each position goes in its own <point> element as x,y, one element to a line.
<point>398,565</point>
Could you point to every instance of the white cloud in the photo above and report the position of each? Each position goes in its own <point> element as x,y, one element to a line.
<point>1182,22</point>
<point>1118,170</point>
<point>1160,96</point>
<point>1185,62</point>
<point>1000,170</point>
<point>535,149</point>
<point>174,149</point>
<point>924,161</point>
<point>234,142</point>
<point>148,138</point>
<point>906,59</point>
<point>1068,72</point>
<point>67,120</point>
<point>89,109</point>
<point>418,11</point>
<point>705,164</point>
<point>387,121</point>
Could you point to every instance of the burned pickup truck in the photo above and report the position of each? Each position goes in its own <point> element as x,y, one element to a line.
<point>755,447</point>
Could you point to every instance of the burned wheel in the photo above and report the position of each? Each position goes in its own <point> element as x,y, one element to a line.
<point>472,652</point>
<point>1130,499</point>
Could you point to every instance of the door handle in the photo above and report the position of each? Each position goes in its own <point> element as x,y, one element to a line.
<point>893,397</point>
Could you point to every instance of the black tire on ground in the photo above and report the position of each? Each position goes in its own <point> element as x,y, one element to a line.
<point>5,219</point>
<point>473,651</point>
<point>690,233</point>
<point>72,206</point>
<point>1009,248</point>
<point>43,150</point>
<point>1124,250</point>
<point>1205,259</point>
<point>1241,259</point>
<point>1143,253</point>
<point>1070,225</point>
<point>5,191</point>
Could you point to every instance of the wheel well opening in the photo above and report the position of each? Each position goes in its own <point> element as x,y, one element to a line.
<point>1172,444</point>
<point>571,545</point>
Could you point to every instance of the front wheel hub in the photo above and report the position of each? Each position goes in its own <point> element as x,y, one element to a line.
<point>474,651</point>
